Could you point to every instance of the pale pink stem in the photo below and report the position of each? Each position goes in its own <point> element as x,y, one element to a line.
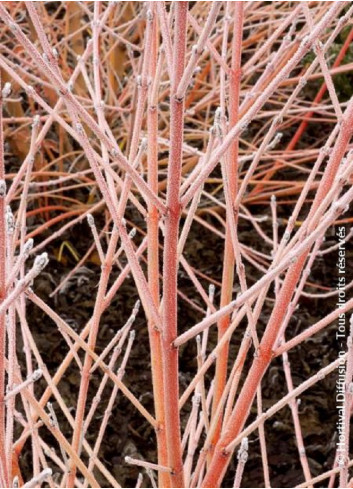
<point>139,480</point>
<point>147,465</point>
<point>109,408</point>
<point>39,479</point>
<point>297,427</point>
<point>212,356</point>
<point>122,332</point>
<point>196,199</point>
<point>19,266</point>
<point>53,389</point>
<point>286,261</point>
<point>84,385</point>
<point>38,456</point>
<point>40,262</point>
<point>285,21</point>
<point>55,431</point>
<point>97,242</point>
<point>262,437</point>
<point>63,325</point>
<point>202,348</point>
<point>257,105</point>
<point>200,388</point>
<point>315,328</point>
<point>79,264</point>
<point>321,374</point>
<point>273,59</point>
<point>224,71</point>
<point>192,442</point>
<point>337,245</point>
<point>330,473</point>
<point>165,31</point>
<point>197,50</point>
<point>47,125</point>
<point>209,44</point>
<point>235,376</point>
<point>286,365</point>
<point>323,65</point>
<point>98,396</point>
<point>242,459</point>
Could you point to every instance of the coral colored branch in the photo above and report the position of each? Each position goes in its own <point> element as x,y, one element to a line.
<point>232,170</point>
<point>170,255</point>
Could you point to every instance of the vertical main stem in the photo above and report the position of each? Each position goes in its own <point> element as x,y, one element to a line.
<point>153,260</point>
<point>170,255</point>
<point>232,170</point>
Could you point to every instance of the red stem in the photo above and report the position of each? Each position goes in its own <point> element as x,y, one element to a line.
<point>170,255</point>
<point>153,266</point>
